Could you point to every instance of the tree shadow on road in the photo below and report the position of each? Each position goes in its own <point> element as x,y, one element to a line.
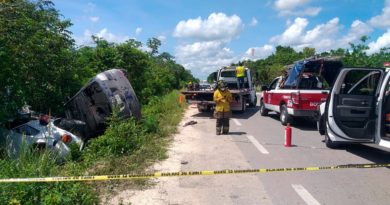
<point>250,111</point>
<point>305,124</point>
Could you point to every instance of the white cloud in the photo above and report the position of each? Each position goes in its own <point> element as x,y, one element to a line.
<point>289,4</point>
<point>311,11</point>
<point>295,8</point>
<point>382,42</point>
<point>356,31</point>
<point>138,31</point>
<point>383,20</point>
<point>259,52</point>
<point>204,57</point>
<point>104,33</point>
<point>199,49</point>
<point>162,38</point>
<point>204,43</point>
<point>293,34</point>
<point>110,37</point>
<point>216,26</point>
<point>322,37</point>
<point>253,22</point>
<point>94,18</point>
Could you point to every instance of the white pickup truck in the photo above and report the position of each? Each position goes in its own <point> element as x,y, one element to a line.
<point>247,95</point>
<point>358,109</point>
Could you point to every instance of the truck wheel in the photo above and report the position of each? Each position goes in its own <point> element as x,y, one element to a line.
<point>285,118</point>
<point>321,125</point>
<point>329,143</point>
<point>253,104</point>
<point>263,111</point>
<point>243,108</point>
<point>201,110</point>
<point>255,101</point>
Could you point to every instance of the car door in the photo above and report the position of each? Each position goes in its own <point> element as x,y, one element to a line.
<point>268,95</point>
<point>383,124</point>
<point>352,109</point>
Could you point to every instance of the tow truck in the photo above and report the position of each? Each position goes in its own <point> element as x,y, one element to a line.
<point>241,97</point>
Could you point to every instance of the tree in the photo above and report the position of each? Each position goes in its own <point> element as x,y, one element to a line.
<point>153,44</point>
<point>37,59</point>
<point>308,52</point>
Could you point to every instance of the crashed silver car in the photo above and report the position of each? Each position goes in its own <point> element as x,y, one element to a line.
<point>42,134</point>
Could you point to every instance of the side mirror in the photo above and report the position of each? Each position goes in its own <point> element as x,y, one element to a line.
<point>264,88</point>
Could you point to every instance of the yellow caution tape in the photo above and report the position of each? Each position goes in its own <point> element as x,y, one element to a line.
<point>183,174</point>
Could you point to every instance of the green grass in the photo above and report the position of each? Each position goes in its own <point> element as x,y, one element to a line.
<point>126,146</point>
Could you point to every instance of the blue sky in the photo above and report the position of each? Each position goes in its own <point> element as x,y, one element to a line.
<point>205,35</point>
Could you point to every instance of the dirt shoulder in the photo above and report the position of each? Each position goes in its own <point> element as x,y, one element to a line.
<point>197,147</point>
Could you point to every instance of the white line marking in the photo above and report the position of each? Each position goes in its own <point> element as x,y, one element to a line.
<point>257,144</point>
<point>305,195</point>
<point>238,123</point>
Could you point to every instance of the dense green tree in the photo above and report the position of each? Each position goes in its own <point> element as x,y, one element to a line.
<point>308,52</point>
<point>36,52</point>
<point>154,44</point>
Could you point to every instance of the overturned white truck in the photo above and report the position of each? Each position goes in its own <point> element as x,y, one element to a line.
<point>94,103</point>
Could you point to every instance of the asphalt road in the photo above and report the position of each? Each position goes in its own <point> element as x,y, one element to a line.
<point>261,140</point>
<point>258,142</point>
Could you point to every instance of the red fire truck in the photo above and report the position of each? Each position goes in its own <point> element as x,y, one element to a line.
<point>304,87</point>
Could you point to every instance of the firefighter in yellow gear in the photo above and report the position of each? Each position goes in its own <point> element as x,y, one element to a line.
<point>190,85</point>
<point>240,75</point>
<point>222,113</point>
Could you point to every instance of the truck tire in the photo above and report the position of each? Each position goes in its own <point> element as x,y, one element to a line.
<point>329,143</point>
<point>204,109</point>
<point>285,118</point>
<point>201,110</point>
<point>321,127</point>
<point>253,104</point>
<point>243,107</point>
<point>263,111</point>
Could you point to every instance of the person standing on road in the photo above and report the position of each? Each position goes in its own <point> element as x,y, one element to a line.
<point>240,75</point>
<point>222,113</point>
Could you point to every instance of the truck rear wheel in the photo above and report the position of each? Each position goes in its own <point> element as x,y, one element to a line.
<point>243,108</point>
<point>329,143</point>
<point>263,111</point>
<point>285,118</point>
<point>253,104</point>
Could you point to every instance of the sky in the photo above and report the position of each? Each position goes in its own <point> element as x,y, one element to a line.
<point>206,35</point>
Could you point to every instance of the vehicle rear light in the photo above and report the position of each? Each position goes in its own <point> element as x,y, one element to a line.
<point>295,98</point>
<point>65,138</point>
<point>388,117</point>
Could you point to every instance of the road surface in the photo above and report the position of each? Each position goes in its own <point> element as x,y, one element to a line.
<point>258,142</point>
